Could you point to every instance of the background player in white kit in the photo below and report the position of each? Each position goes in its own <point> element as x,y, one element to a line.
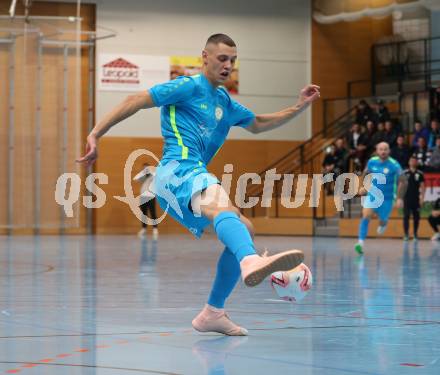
<point>147,199</point>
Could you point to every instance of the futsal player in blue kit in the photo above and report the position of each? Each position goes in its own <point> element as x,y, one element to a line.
<point>196,116</point>
<point>381,195</point>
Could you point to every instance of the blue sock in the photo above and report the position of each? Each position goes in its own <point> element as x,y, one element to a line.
<point>228,273</point>
<point>234,234</point>
<point>363,228</point>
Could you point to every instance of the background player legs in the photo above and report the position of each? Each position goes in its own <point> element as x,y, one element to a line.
<point>367,213</point>
<point>416,218</point>
<point>406,215</point>
<point>384,212</point>
<point>407,211</point>
<point>151,209</point>
<point>143,230</point>
<point>144,209</point>
<point>434,221</point>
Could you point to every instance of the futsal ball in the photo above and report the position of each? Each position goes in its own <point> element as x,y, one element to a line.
<point>292,285</point>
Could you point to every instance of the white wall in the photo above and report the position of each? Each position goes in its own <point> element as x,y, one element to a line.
<point>273,39</point>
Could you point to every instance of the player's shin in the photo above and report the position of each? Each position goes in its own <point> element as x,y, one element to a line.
<point>228,273</point>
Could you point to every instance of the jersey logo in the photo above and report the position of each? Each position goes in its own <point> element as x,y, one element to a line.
<point>386,170</point>
<point>204,106</point>
<point>218,113</point>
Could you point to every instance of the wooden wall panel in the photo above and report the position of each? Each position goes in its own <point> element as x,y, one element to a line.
<point>349,228</point>
<point>341,53</point>
<point>4,123</point>
<point>245,155</point>
<point>284,226</point>
<point>52,107</point>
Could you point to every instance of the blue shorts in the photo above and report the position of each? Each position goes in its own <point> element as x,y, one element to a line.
<point>383,211</point>
<point>175,183</point>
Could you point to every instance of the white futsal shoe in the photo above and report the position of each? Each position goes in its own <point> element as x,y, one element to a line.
<point>435,237</point>
<point>142,233</point>
<point>211,319</point>
<point>381,229</point>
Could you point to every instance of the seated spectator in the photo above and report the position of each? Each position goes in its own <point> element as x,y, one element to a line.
<point>433,164</point>
<point>390,134</point>
<point>434,133</point>
<point>379,135</point>
<point>364,113</point>
<point>434,219</point>
<point>381,113</point>
<point>422,153</point>
<point>328,166</point>
<point>419,131</point>
<point>335,161</point>
<point>341,157</point>
<point>357,143</point>
<point>401,152</point>
<point>369,134</point>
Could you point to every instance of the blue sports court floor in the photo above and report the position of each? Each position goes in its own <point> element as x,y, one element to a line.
<point>117,305</point>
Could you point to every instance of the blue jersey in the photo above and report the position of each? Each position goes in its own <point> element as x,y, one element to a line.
<point>391,169</point>
<point>196,117</point>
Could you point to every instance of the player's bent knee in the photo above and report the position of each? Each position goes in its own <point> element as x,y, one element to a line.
<point>212,201</point>
<point>212,210</point>
<point>367,213</point>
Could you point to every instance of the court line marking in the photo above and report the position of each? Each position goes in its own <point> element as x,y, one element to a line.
<point>335,316</point>
<point>124,341</point>
<point>95,334</point>
<point>47,268</point>
<point>340,304</point>
<point>145,371</point>
<point>337,326</point>
<point>307,365</point>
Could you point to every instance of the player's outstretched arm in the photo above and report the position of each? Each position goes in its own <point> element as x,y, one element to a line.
<point>271,121</point>
<point>127,108</point>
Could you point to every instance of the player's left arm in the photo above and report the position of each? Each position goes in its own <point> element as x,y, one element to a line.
<point>270,121</point>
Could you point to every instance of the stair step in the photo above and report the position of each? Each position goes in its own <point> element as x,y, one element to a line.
<point>327,222</point>
<point>333,221</point>
<point>327,231</point>
<point>330,227</point>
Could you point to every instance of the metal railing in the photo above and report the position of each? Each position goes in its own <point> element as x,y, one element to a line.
<point>307,159</point>
<point>303,159</point>
<point>404,61</point>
